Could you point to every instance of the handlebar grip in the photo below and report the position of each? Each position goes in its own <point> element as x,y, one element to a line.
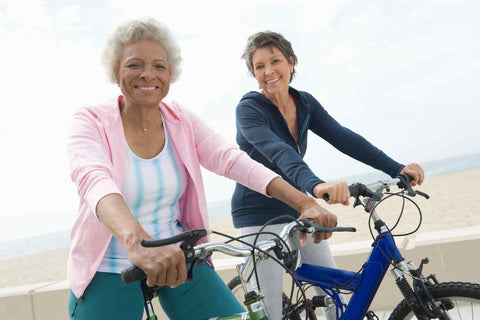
<point>423,194</point>
<point>405,180</point>
<point>188,239</point>
<point>132,274</point>
<point>404,183</point>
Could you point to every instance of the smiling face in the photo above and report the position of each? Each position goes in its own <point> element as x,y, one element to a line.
<point>272,70</point>
<point>144,73</point>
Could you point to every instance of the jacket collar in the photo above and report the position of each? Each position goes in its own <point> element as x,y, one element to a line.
<point>301,102</point>
<point>170,112</point>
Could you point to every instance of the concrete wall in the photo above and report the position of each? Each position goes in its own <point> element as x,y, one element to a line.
<point>453,256</point>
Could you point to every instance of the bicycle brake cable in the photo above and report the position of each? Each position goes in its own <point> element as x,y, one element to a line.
<point>402,194</point>
<point>389,230</point>
<point>269,222</point>
<point>294,280</point>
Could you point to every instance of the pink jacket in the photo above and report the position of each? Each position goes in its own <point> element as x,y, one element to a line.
<point>96,149</point>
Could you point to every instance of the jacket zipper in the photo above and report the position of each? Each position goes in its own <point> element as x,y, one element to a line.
<point>293,139</point>
<point>304,125</point>
<point>302,131</point>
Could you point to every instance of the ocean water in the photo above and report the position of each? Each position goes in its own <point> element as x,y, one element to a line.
<point>61,239</point>
<point>45,242</point>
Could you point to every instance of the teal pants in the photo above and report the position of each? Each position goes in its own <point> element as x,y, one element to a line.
<point>107,298</point>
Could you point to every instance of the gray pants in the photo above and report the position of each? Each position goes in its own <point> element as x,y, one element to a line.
<point>271,274</point>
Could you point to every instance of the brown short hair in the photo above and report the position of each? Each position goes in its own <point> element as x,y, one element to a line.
<point>268,39</point>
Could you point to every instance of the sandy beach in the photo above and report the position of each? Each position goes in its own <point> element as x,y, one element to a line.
<point>453,204</point>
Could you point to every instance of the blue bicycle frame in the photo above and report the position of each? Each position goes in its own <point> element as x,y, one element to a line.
<point>364,285</point>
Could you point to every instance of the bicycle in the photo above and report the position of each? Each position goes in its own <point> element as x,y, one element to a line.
<point>425,298</point>
<point>200,253</point>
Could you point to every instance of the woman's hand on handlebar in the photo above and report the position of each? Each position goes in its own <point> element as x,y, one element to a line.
<point>415,171</point>
<point>163,266</point>
<point>337,192</point>
<point>322,217</point>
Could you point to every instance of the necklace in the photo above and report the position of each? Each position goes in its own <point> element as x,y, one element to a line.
<point>137,124</point>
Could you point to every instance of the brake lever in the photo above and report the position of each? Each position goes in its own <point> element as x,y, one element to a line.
<point>335,229</point>
<point>188,249</point>
<point>309,224</point>
<point>423,194</point>
<point>191,268</point>
<point>306,225</point>
<point>187,244</point>
<point>357,202</point>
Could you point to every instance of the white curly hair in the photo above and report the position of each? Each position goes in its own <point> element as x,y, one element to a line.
<point>135,30</point>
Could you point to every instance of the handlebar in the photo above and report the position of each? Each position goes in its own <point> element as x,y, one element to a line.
<point>203,251</point>
<point>359,189</point>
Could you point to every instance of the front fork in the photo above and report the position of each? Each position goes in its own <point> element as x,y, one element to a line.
<point>419,298</point>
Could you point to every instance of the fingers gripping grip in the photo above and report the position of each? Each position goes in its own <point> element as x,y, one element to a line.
<point>356,190</point>
<point>188,239</point>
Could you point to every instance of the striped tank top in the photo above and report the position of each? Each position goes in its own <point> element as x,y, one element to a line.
<point>152,188</point>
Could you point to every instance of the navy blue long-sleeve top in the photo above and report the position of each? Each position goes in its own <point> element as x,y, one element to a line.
<point>263,133</point>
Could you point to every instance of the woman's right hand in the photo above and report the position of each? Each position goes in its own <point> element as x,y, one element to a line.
<point>416,172</point>
<point>322,217</point>
<point>337,191</point>
<point>163,266</point>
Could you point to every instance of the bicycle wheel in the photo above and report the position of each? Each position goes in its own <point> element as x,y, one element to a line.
<point>235,285</point>
<point>464,298</point>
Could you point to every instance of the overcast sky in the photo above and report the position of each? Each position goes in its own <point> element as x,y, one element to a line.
<point>405,74</point>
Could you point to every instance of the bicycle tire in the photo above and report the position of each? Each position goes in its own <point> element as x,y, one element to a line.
<point>235,285</point>
<point>464,295</point>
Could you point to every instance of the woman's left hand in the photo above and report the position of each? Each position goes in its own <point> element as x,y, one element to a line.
<point>337,192</point>
<point>415,171</point>
<point>322,217</point>
<point>306,205</point>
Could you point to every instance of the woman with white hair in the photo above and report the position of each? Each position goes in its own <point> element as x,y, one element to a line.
<point>136,163</point>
